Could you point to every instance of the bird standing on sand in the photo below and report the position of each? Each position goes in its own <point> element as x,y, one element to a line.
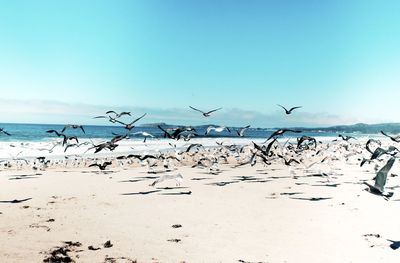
<point>205,114</point>
<point>289,111</point>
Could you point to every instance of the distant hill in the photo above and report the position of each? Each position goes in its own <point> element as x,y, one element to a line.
<point>149,125</point>
<point>361,128</point>
<point>354,128</point>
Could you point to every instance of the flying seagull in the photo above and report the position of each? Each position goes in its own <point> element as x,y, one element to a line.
<point>380,179</point>
<point>73,126</point>
<point>281,132</point>
<point>393,138</point>
<point>3,131</point>
<point>289,111</point>
<point>118,115</point>
<point>241,131</point>
<point>144,134</point>
<point>178,178</point>
<point>205,114</point>
<point>101,166</point>
<point>216,129</point>
<point>129,126</point>
<point>288,162</point>
<point>346,138</point>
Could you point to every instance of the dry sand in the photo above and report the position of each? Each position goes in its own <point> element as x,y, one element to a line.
<point>244,221</point>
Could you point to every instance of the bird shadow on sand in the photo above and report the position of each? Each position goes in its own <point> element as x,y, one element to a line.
<point>326,185</point>
<point>224,183</point>
<point>22,177</point>
<point>15,201</point>
<point>177,193</point>
<point>312,199</point>
<point>142,193</point>
<point>292,193</point>
<point>171,188</point>
<point>201,178</point>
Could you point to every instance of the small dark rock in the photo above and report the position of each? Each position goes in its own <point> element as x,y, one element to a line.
<point>93,248</point>
<point>108,244</point>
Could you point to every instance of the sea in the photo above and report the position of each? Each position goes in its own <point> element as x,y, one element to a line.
<point>37,132</point>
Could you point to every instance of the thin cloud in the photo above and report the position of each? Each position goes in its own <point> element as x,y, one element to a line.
<point>37,111</point>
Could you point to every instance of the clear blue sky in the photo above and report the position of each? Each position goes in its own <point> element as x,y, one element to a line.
<point>339,59</point>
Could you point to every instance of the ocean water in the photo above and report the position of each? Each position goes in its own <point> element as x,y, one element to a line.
<point>37,132</point>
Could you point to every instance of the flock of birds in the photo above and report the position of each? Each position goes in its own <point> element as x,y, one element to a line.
<point>305,153</point>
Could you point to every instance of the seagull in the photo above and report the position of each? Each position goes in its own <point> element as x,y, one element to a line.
<point>395,244</point>
<point>306,138</point>
<point>177,132</point>
<point>346,138</point>
<point>3,131</point>
<point>73,126</point>
<point>178,178</point>
<point>281,132</point>
<point>110,119</point>
<point>217,129</point>
<point>205,114</point>
<point>101,166</point>
<point>367,145</point>
<point>142,158</point>
<point>144,134</point>
<point>393,138</point>
<point>76,145</point>
<point>289,111</point>
<point>380,179</point>
<point>288,162</point>
<point>241,131</point>
<point>66,138</point>
<point>129,126</point>
<point>119,115</point>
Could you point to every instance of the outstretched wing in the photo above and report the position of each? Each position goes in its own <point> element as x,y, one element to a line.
<point>196,109</point>
<point>211,111</point>
<point>138,118</point>
<point>297,107</point>
<point>282,107</point>
<point>380,179</point>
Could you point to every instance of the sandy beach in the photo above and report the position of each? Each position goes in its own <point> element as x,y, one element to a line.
<point>273,213</point>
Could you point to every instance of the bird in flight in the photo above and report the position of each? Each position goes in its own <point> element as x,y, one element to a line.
<point>241,131</point>
<point>380,179</point>
<point>73,126</point>
<point>205,114</point>
<point>130,126</point>
<point>102,166</point>
<point>290,110</point>
<point>3,131</point>
<point>393,138</point>
<point>216,129</point>
<point>118,115</point>
<point>281,132</point>
<point>346,138</point>
<point>178,178</point>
